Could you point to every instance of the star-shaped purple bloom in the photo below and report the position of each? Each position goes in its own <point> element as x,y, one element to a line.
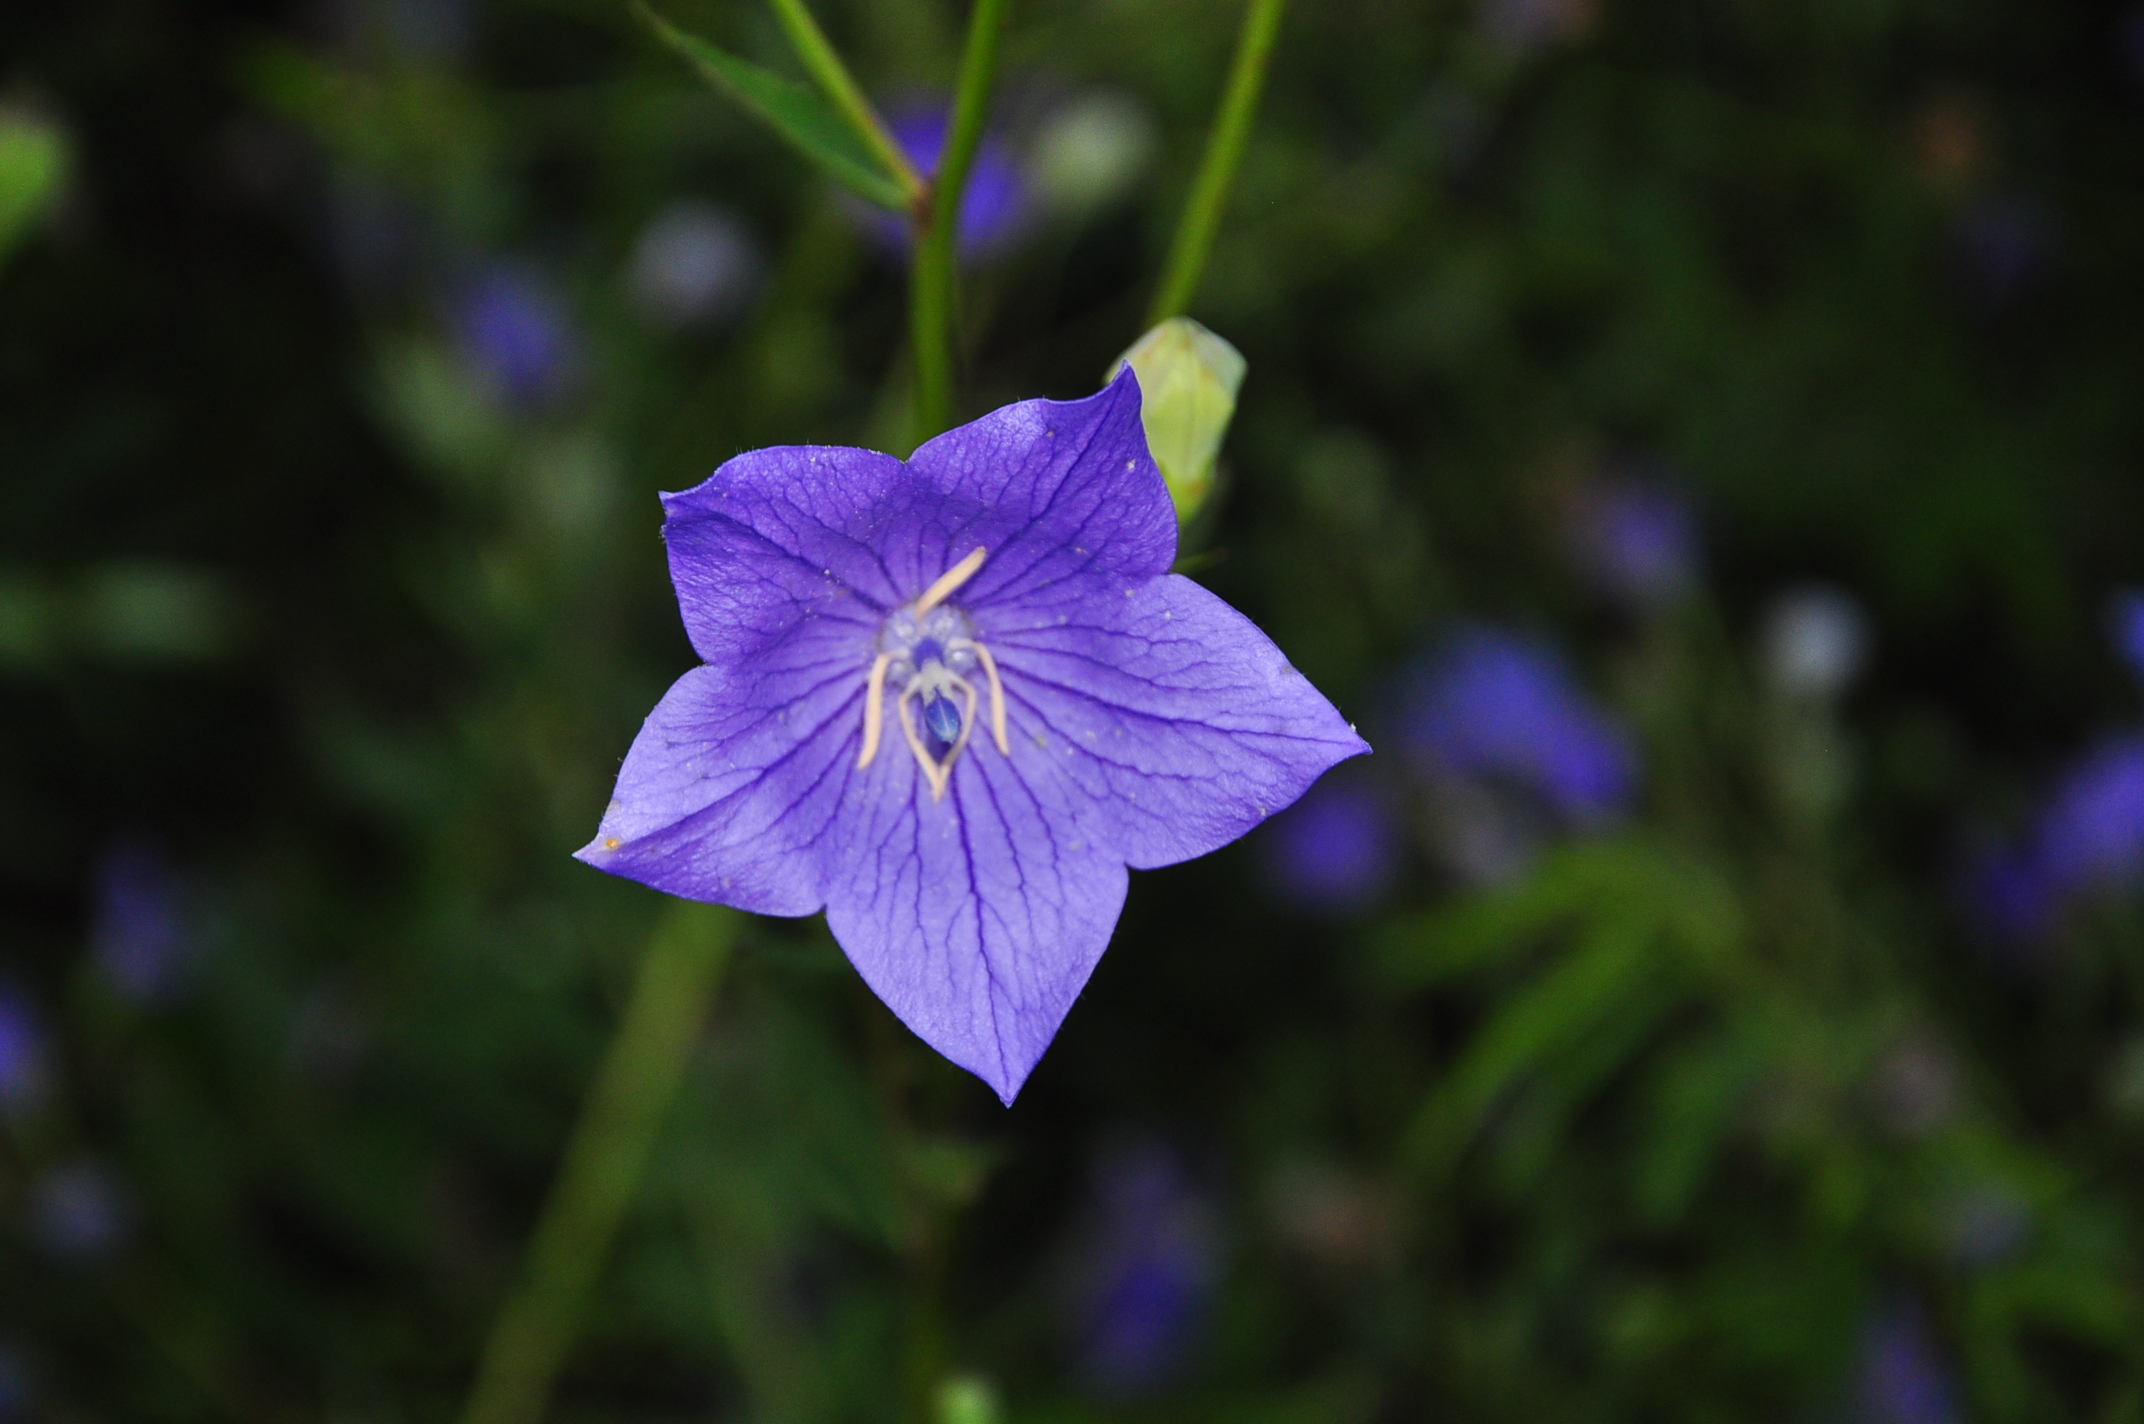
<point>950,700</point>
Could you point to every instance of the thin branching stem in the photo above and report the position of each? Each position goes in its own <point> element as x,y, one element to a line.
<point>1217,170</point>
<point>931,305</point>
<point>847,96</point>
<point>602,1166</point>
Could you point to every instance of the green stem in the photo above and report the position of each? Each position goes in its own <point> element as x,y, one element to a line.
<point>818,55</point>
<point>602,1166</point>
<point>930,307</point>
<point>1217,170</point>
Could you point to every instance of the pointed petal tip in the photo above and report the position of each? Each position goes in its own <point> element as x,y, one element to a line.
<point>602,852</point>
<point>1002,1074</point>
<point>1005,1083</point>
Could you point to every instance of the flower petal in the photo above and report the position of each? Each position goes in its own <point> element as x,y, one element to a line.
<point>1062,493</point>
<point>732,783</point>
<point>977,919</point>
<point>1178,722</point>
<point>777,537</point>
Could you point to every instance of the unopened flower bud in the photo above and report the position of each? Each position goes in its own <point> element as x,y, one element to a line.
<point>33,162</point>
<point>968,1399</point>
<point>1188,379</point>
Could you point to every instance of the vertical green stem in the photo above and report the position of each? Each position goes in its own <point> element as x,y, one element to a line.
<point>818,55</point>
<point>1217,170</point>
<point>603,1162</point>
<point>930,308</point>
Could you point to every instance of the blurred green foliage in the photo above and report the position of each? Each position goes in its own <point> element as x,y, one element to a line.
<point>336,381</point>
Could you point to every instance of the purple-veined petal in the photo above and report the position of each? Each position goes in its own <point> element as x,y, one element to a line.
<point>736,776</point>
<point>976,919</point>
<point>778,537</point>
<point>1062,493</point>
<point>1176,721</point>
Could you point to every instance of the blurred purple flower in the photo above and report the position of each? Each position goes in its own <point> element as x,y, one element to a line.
<point>2089,837</point>
<point>1495,705</point>
<point>997,204</point>
<point>2092,832</point>
<point>2007,893</point>
<point>2125,628</point>
<point>1635,540</point>
<point>78,1212</point>
<point>23,1067</point>
<point>1146,1265</point>
<point>138,937</point>
<point>515,329</point>
<point>2004,243</point>
<point>1335,850</point>
<point>1901,1378</point>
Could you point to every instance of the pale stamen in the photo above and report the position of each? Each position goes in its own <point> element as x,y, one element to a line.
<point>997,696</point>
<point>874,709</point>
<point>950,580</point>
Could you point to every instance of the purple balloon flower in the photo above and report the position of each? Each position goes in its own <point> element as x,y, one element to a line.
<point>139,934</point>
<point>1147,1261</point>
<point>995,205</point>
<point>1494,705</point>
<point>516,330</point>
<point>950,700</point>
<point>1902,1379</point>
<point>2092,832</point>
<point>79,1212</point>
<point>2125,627</point>
<point>2089,837</point>
<point>1336,850</point>
<point>22,1054</point>
<point>1635,540</point>
<point>2008,892</point>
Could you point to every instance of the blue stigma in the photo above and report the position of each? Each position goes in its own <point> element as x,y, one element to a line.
<point>942,718</point>
<point>927,651</point>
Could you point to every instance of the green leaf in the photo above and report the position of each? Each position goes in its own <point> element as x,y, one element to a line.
<point>790,109</point>
<point>1550,1016</point>
<point>1689,1108</point>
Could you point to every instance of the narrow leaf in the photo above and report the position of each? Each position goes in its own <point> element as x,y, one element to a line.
<point>1549,1016</point>
<point>790,109</point>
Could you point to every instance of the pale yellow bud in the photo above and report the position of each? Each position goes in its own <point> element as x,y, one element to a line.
<point>968,1399</point>
<point>33,161</point>
<point>1188,379</point>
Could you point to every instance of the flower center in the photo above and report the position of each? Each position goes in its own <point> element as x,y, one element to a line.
<point>927,651</point>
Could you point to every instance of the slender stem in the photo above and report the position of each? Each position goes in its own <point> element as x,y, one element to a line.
<point>931,284</point>
<point>811,45</point>
<point>1217,170</point>
<point>602,1166</point>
